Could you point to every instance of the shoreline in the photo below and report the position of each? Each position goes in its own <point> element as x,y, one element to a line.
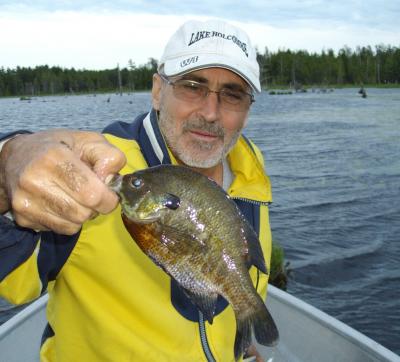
<point>333,86</point>
<point>28,97</point>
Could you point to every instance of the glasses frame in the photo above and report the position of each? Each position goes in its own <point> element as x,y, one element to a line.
<point>173,84</point>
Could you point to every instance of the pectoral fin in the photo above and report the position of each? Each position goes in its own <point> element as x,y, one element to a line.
<point>206,303</point>
<point>180,241</point>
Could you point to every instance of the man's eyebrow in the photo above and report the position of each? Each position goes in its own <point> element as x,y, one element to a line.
<point>230,85</point>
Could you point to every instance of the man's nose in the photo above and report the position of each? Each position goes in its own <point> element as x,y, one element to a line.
<point>211,107</point>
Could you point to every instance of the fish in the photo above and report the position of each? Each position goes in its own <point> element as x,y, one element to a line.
<point>190,227</point>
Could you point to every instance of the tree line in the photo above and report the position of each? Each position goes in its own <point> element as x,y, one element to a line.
<point>362,66</point>
<point>44,80</point>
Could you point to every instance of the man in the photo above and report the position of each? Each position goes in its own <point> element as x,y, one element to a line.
<point>107,300</point>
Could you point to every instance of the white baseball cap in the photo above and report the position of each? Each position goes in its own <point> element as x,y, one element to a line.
<point>213,43</point>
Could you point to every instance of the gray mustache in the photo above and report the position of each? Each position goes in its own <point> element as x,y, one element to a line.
<point>203,125</point>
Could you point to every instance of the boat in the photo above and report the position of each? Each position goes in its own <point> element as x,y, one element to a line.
<point>306,334</point>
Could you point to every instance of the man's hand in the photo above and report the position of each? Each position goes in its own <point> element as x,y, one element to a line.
<point>55,180</point>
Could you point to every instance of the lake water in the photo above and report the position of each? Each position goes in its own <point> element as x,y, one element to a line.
<point>334,162</point>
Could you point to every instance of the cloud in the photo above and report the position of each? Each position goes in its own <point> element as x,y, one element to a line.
<point>381,14</point>
<point>82,39</point>
<point>99,34</point>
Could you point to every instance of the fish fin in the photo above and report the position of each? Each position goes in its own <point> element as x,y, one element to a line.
<point>243,336</point>
<point>206,303</point>
<point>180,241</point>
<point>264,327</point>
<point>255,256</point>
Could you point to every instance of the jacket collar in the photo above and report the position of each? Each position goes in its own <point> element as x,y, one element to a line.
<point>152,142</point>
<point>250,181</point>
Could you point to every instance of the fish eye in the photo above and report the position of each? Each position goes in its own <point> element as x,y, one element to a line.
<point>137,183</point>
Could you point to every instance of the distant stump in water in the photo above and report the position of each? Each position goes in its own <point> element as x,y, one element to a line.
<point>362,92</point>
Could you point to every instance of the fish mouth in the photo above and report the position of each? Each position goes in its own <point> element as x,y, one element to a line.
<point>115,183</point>
<point>142,220</point>
<point>139,217</point>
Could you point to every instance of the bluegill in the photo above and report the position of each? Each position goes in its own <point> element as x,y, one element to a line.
<point>191,228</point>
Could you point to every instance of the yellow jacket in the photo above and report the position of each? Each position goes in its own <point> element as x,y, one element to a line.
<point>107,300</point>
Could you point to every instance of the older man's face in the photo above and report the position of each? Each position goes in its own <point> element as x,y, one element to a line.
<point>200,133</point>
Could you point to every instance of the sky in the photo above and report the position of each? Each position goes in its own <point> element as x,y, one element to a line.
<point>100,34</point>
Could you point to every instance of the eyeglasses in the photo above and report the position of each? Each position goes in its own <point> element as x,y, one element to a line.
<point>191,91</point>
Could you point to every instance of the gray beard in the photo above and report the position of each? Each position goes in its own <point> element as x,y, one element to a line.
<point>189,158</point>
<point>210,161</point>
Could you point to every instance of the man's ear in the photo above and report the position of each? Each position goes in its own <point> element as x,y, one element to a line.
<point>156,91</point>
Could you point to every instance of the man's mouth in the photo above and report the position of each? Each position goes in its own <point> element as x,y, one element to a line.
<point>204,134</point>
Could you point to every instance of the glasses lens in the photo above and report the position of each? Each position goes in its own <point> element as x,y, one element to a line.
<point>234,98</point>
<point>189,91</point>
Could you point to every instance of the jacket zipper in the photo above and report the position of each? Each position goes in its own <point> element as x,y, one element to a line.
<point>254,202</point>
<point>203,338</point>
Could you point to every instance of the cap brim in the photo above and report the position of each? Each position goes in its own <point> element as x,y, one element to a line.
<point>172,67</point>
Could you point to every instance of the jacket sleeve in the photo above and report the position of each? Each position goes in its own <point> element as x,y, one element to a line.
<point>19,278</point>
<point>19,282</point>
<point>29,259</point>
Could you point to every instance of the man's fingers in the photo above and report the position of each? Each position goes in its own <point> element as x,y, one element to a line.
<point>55,180</point>
<point>67,177</point>
<point>27,214</point>
<point>103,158</point>
<point>62,205</point>
<point>83,186</point>
<point>54,209</point>
<point>63,187</point>
<point>46,222</point>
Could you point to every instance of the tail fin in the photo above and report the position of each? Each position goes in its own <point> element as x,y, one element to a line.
<point>264,327</point>
<point>243,336</point>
